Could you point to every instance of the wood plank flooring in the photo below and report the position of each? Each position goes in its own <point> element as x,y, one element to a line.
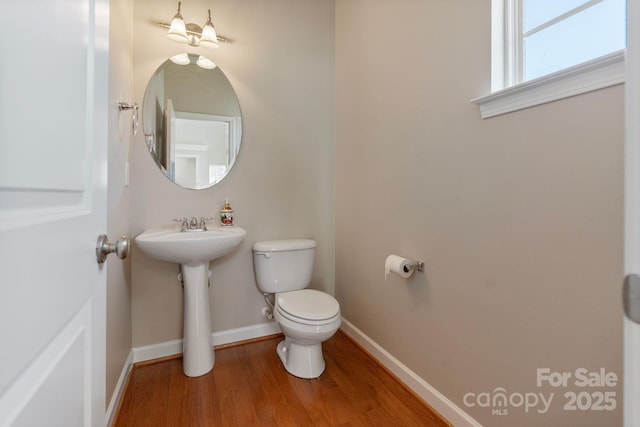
<point>249,387</point>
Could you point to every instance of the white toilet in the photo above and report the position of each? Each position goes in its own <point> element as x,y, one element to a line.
<point>306,317</point>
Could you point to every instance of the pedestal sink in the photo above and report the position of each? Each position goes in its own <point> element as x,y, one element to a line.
<point>193,250</point>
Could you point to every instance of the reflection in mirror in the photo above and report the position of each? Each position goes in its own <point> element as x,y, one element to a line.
<point>192,121</point>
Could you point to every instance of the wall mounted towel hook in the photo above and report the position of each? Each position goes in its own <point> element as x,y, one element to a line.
<point>124,106</point>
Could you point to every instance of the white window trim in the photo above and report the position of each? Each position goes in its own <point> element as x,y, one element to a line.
<point>586,77</point>
<point>596,74</point>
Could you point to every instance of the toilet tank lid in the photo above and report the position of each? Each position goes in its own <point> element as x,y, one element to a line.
<point>284,245</point>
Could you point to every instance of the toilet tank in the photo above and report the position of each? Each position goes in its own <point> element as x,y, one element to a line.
<point>283,265</point>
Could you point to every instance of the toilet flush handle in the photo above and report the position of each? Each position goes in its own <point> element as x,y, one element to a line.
<point>265,254</point>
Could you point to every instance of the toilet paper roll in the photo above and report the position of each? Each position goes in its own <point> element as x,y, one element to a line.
<point>399,265</point>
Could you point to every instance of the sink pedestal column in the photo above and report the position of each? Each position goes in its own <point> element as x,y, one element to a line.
<point>198,356</point>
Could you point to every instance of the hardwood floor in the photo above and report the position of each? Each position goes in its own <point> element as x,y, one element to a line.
<point>249,387</point>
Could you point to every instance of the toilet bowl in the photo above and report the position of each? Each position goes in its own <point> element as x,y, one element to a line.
<point>305,330</point>
<point>306,317</point>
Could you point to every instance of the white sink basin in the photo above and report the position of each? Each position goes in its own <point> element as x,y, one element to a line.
<point>193,250</point>
<point>189,247</point>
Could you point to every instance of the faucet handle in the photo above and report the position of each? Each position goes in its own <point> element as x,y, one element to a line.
<point>203,222</point>
<point>184,223</point>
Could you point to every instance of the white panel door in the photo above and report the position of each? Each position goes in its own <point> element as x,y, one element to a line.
<point>53,155</point>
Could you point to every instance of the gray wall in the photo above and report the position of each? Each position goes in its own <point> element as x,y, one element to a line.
<point>119,272</point>
<point>518,217</point>
<point>280,64</point>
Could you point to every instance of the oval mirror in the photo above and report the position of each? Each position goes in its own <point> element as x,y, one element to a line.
<point>192,121</point>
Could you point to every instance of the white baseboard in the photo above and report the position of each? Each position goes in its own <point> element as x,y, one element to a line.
<point>433,397</point>
<point>170,348</point>
<point>246,333</point>
<point>156,351</point>
<point>119,390</point>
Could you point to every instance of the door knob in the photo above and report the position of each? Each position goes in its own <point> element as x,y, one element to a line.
<point>631,297</point>
<point>104,248</point>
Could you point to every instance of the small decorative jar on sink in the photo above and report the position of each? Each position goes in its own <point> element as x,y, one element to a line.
<point>193,250</point>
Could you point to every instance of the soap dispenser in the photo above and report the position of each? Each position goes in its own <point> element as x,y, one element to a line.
<point>226,214</point>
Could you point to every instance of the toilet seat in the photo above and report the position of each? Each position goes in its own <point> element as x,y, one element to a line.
<point>308,307</point>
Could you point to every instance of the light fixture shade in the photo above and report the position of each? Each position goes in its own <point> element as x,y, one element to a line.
<point>209,37</point>
<point>205,63</point>
<point>180,59</point>
<point>177,30</point>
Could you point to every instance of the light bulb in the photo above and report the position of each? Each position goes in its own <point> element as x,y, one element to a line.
<point>177,30</point>
<point>209,37</point>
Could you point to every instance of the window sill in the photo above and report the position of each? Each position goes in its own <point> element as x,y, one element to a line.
<point>597,74</point>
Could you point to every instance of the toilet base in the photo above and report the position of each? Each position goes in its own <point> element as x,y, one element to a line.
<point>303,361</point>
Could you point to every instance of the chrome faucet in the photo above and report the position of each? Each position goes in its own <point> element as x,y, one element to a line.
<point>193,224</point>
<point>185,224</point>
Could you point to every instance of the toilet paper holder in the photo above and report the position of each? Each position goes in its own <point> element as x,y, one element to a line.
<point>418,266</point>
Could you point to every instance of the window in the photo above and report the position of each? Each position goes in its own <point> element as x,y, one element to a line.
<point>543,50</point>
<point>556,34</point>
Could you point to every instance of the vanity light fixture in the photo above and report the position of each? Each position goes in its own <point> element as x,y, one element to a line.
<point>191,33</point>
